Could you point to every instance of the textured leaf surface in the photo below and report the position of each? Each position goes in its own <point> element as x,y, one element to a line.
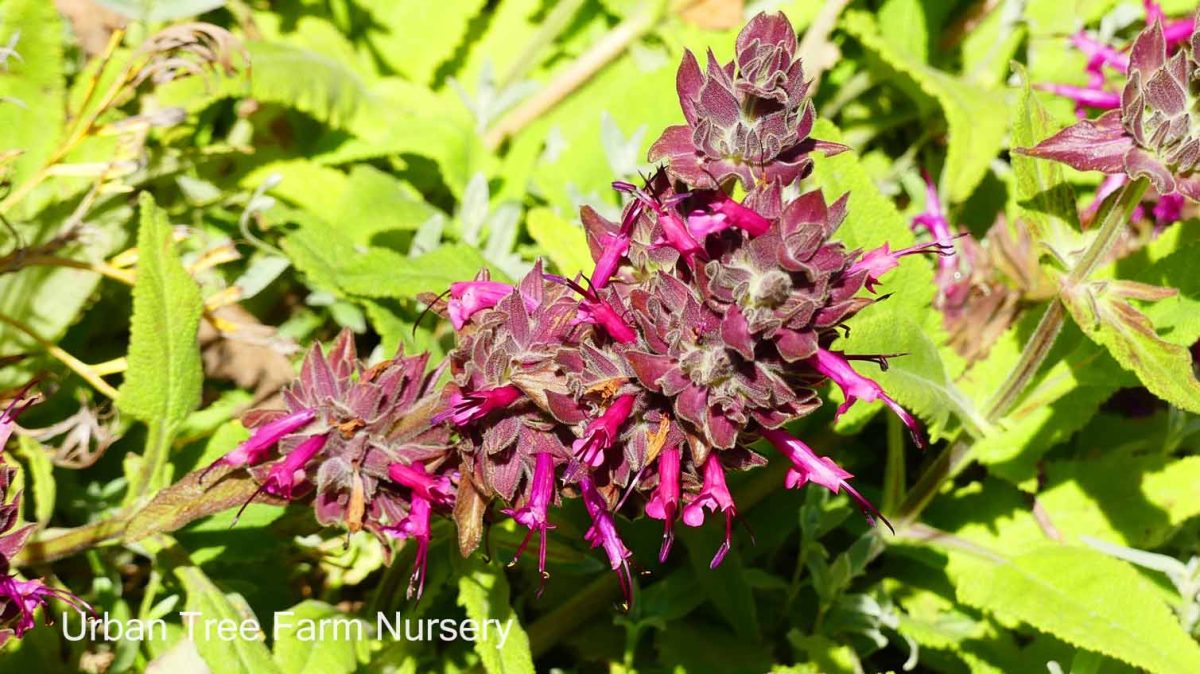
<point>236,656</point>
<point>564,242</point>
<point>162,384</point>
<point>300,652</point>
<point>1087,599</point>
<point>918,379</point>
<point>483,592</point>
<point>31,85</point>
<point>1128,334</point>
<point>975,115</point>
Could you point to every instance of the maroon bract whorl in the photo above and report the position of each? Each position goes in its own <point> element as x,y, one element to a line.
<point>1155,133</point>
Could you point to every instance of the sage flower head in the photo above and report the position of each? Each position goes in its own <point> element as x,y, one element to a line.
<point>345,428</point>
<point>1156,131</point>
<point>20,599</point>
<point>749,119</point>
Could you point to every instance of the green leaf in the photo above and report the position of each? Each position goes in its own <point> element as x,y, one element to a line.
<point>1108,319</point>
<point>1044,199</point>
<point>32,85</point>
<point>414,38</point>
<point>236,656</point>
<point>1131,500</point>
<point>564,242</point>
<point>162,384</point>
<point>871,221</point>
<point>1087,599</point>
<point>975,116</point>
<point>160,10</point>
<point>39,477</point>
<point>1061,401</point>
<point>329,90</point>
<point>300,649</point>
<point>483,592</point>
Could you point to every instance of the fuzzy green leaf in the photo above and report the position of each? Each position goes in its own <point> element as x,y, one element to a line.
<point>1043,196</point>
<point>975,116</point>
<point>301,650</point>
<point>31,84</point>
<point>160,10</point>
<point>483,592</point>
<point>162,383</point>
<point>918,379</point>
<point>564,242</point>
<point>236,656</point>
<point>414,38</point>
<point>1087,599</point>
<point>1128,334</point>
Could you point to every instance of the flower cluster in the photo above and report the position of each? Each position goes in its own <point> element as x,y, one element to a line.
<point>706,325</point>
<point>19,599</point>
<point>358,439</point>
<point>1155,131</point>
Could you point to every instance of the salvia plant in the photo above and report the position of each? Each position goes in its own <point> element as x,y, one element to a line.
<point>691,337</point>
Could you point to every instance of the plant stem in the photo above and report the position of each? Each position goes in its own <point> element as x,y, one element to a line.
<point>551,27</point>
<point>582,69</point>
<point>74,364</point>
<point>1113,216</point>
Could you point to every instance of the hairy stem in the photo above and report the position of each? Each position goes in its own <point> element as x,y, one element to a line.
<point>576,74</point>
<point>1113,216</point>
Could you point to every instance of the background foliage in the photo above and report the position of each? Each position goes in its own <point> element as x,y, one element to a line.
<point>350,154</point>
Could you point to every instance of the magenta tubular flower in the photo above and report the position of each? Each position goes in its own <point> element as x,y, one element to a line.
<point>258,446</point>
<point>603,533</point>
<point>933,219</point>
<point>857,387</point>
<point>598,311</point>
<point>676,235</point>
<point>664,503</point>
<point>720,212</point>
<point>426,491</point>
<point>1154,134</point>
<point>534,514</point>
<point>715,496</point>
<point>616,246</point>
<point>1086,97</point>
<point>602,431</point>
<point>822,470</point>
<point>881,260</point>
<point>19,599</point>
<point>282,476</point>
<point>416,525</point>
<point>470,406</point>
<point>1100,55</point>
<point>1168,209</point>
<point>1176,32</point>
<point>469,297</point>
<point>436,489</point>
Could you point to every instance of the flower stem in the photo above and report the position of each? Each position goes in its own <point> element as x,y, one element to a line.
<point>577,74</point>
<point>1113,216</point>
